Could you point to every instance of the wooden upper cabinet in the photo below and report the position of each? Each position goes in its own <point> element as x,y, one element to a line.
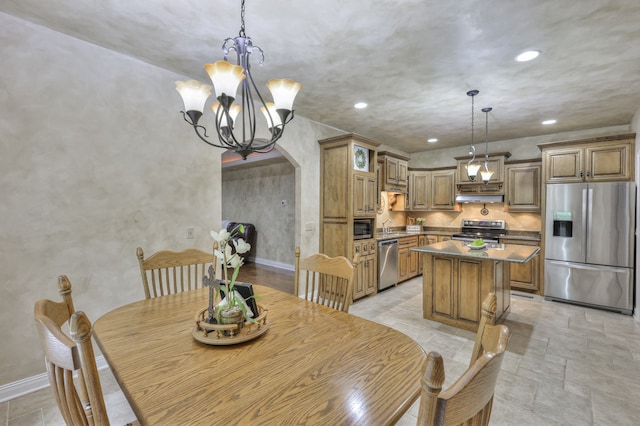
<point>364,194</point>
<point>590,160</point>
<point>613,162</point>
<point>522,192</point>
<point>419,186</point>
<point>443,188</point>
<point>564,165</point>
<point>394,172</point>
<point>432,190</point>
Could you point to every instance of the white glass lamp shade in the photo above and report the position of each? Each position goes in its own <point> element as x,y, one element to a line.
<point>221,117</point>
<point>284,92</point>
<point>277,122</point>
<point>194,94</point>
<point>225,77</point>
<point>486,175</point>
<point>472,170</point>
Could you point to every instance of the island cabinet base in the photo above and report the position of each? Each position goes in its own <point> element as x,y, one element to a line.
<point>454,288</point>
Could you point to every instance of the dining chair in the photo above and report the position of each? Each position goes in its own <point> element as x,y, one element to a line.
<point>167,272</point>
<point>470,398</point>
<point>327,280</point>
<point>80,402</point>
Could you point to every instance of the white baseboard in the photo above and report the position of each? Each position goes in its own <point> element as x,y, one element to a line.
<point>31,384</point>
<point>273,264</point>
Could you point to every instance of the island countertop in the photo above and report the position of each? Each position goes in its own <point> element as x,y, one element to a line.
<point>501,252</point>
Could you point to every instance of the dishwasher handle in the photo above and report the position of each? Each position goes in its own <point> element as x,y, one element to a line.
<point>387,242</point>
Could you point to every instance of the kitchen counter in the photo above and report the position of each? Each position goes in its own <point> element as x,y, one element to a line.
<point>498,252</point>
<point>456,279</point>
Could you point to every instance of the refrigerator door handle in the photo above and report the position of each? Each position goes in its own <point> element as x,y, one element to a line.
<point>585,201</point>
<point>587,267</point>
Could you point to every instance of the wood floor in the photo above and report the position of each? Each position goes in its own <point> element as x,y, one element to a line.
<point>276,278</point>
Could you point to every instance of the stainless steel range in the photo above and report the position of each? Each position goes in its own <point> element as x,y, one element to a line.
<point>489,230</point>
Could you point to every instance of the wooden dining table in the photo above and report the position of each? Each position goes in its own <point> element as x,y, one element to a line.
<point>314,365</point>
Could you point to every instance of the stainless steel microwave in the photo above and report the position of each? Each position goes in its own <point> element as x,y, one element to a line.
<point>362,228</point>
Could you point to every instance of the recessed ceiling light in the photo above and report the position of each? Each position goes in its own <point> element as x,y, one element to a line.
<point>528,55</point>
<point>547,122</point>
<point>432,140</point>
<point>360,105</point>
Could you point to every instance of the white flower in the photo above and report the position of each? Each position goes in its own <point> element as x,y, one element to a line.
<point>221,236</point>
<point>235,261</point>
<point>241,246</point>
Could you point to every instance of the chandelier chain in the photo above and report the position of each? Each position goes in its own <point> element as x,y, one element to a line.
<point>242,33</point>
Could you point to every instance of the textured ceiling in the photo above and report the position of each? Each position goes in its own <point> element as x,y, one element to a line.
<point>412,60</point>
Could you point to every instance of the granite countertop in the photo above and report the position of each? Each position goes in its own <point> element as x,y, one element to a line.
<point>501,252</point>
<point>399,233</point>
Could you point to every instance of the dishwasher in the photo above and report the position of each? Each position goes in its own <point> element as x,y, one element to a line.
<point>387,263</point>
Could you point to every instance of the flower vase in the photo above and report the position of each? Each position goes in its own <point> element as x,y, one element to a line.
<point>232,316</point>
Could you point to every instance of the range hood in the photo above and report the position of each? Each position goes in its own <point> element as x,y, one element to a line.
<point>479,198</point>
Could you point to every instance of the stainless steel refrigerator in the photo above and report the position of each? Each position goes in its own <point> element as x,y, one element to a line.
<point>589,244</point>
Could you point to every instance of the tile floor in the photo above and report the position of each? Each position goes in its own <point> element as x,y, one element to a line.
<point>565,365</point>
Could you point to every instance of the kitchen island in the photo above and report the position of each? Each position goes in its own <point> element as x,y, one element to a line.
<point>456,278</point>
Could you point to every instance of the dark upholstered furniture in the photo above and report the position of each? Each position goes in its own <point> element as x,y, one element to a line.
<point>249,235</point>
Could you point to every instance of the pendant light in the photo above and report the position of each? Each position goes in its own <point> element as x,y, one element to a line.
<point>472,168</point>
<point>227,78</point>
<point>486,173</point>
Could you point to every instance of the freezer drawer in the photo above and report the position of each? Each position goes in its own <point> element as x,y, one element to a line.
<point>593,285</point>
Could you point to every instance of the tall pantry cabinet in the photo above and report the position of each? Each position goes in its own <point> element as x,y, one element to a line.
<point>348,192</point>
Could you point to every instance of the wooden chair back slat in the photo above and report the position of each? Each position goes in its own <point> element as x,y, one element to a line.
<point>168,272</point>
<point>80,402</point>
<point>327,280</point>
<point>469,400</point>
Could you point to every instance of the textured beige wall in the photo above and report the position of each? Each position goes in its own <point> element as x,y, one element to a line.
<point>255,195</point>
<point>96,161</point>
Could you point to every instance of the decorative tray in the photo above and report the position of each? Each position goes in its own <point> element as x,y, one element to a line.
<point>216,334</point>
<point>480,247</point>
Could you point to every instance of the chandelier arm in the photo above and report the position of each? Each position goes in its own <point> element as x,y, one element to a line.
<point>223,136</point>
<point>196,127</point>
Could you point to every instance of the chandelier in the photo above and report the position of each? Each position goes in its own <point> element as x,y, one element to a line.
<point>486,173</point>
<point>226,79</point>
<point>472,167</point>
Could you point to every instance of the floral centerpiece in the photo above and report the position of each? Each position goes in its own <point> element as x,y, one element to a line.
<point>233,308</point>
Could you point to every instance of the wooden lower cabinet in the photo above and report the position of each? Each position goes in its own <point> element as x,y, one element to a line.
<point>366,280</point>
<point>407,259</point>
<point>454,288</point>
<point>524,276</point>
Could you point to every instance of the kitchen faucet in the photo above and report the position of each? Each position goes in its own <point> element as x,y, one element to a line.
<point>385,230</point>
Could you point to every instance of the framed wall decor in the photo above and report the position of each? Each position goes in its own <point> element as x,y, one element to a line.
<point>360,158</point>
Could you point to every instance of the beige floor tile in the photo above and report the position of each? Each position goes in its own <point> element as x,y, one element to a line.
<point>565,364</point>
<point>26,404</point>
<point>609,410</point>
<point>576,408</point>
<point>33,418</point>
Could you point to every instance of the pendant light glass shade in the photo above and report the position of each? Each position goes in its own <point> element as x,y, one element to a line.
<point>221,117</point>
<point>225,77</point>
<point>194,94</point>
<point>270,114</point>
<point>284,92</point>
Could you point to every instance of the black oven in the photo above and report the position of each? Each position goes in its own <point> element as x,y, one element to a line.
<point>362,228</point>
